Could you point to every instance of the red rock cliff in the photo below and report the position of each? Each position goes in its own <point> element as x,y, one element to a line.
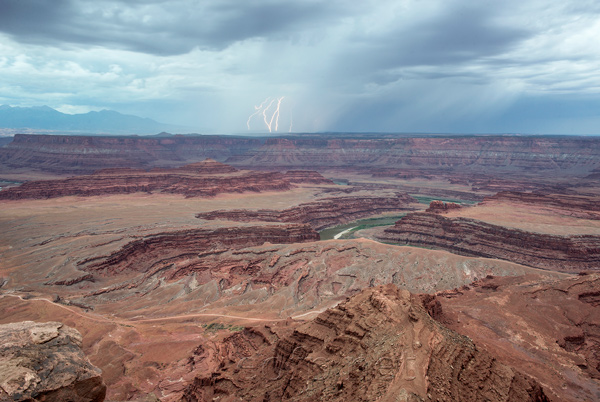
<point>162,250</point>
<point>79,154</point>
<point>320,214</point>
<point>471,237</point>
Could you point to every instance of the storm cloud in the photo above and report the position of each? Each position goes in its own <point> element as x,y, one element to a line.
<point>401,65</point>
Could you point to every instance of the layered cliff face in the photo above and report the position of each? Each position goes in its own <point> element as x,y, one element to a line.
<point>549,329</point>
<point>322,213</point>
<point>536,153</point>
<point>167,252</point>
<point>471,237</point>
<point>203,179</point>
<point>44,362</point>
<point>86,154</point>
<point>378,345</point>
<point>77,154</point>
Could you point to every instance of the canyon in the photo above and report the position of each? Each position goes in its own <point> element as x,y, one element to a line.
<point>320,214</point>
<point>206,178</point>
<point>476,238</point>
<point>386,154</point>
<point>190,278</point>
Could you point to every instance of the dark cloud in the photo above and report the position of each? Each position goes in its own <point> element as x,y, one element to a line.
<point>159,27</point>
<point>456,36</point>
<point>386,65</point>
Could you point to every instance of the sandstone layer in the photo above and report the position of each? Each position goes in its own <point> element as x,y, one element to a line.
<point>320,214</point>
<point>378,345</point>
<point>159,252</point>
<point>44,362</point>
<point>471,237</point>
<point>205,179</point>
<point>549,329</point>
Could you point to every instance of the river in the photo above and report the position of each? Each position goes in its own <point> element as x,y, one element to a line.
<point>345,231</point>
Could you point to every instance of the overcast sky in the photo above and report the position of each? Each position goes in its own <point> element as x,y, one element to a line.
<point>340,65</point>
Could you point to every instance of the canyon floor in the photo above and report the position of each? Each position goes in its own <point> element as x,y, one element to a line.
<point>178,290</point>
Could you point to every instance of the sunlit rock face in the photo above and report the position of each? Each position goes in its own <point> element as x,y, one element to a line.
<point>44,362</point>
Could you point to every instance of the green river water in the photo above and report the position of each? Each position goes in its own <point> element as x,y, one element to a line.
<point>351,227</point>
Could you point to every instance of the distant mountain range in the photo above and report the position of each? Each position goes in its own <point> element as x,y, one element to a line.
<point>103,122</point>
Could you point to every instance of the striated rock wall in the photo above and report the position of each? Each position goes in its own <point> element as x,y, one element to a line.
<point>322,213</point>
<point>161,251</point>
<point>204,179</point>
<point>493,152</point>
<point>79,154</point>
<point>44,362</point>
<point>471,237</point>
<point>379,345</point>
<point>86,154</point>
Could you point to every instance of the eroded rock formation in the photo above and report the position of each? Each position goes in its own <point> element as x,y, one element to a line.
<point>44,362</point>
<point>549,329</point>
<point>322,213</point>
<point>205,179</point>
<point>160,252</point>
<point>378,345</point>
<point>471,237</point>
<point>441,206</point>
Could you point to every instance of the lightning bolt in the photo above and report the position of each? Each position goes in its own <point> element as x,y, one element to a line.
<point>257,109</point>
<point>268,116</point>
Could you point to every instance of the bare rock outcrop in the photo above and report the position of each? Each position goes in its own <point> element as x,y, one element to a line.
<point>549,329</point>
<point>475,238</point>
<point>322,213</point>
<point>441,206</point>
<point>379,345</point>
<point>44,362</point>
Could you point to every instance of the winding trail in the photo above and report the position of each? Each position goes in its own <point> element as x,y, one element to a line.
<point>99,318</point>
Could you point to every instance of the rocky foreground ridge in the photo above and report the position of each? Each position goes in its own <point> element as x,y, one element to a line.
<point>379,345</point>
<point>320,214</point>
<point>471,237</point>
<point>549,329</point>
<point>202,179</point>
<point>44,362</point>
